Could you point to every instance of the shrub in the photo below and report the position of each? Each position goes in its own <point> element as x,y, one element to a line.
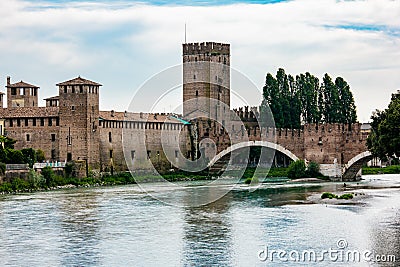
<point>251,180</point>
<point>328,195</point>
<point>70,169</point>
<point>40,156</point>
<point>297,169</point>
<point>19,184</point>
<point>313,169</point>
<point>29,156</point>
<point>15,156</point>
<point>49,176</point>
<point>346,196</point>
<point>35,179</point>
<point>2,168</point>
<point>331,195</point>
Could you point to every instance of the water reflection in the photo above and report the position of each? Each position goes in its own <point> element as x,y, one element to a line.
<point>207,234</point>
<point>79,228</point>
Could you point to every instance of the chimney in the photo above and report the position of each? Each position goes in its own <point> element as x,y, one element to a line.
<point>8,81</point>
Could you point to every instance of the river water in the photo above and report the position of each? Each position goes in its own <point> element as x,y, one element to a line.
<point>125,226</point>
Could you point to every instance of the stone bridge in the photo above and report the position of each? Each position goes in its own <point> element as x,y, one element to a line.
<point>339,149</point>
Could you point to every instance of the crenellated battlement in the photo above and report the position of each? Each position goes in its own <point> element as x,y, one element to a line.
<point>206,48</point>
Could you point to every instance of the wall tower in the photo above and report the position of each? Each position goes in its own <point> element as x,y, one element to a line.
<point>206,74</point>
<point>79,114</point>
<point>21,94</point>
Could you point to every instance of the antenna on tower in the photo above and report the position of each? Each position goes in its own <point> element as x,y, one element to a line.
<point>185,32</point>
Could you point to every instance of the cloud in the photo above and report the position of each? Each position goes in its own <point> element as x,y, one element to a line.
<point>123,43</point>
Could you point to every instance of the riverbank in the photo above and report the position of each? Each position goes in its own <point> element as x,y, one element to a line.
<point>394,169</point>
<point>36,182</point>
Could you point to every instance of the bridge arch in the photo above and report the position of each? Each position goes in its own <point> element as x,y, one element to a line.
<point>352,167</point>
<point>267,144</point>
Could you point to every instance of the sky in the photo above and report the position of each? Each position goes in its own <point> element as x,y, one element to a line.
<point>121,44</point>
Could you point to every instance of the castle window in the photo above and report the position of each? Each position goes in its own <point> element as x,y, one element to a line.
<point>53,154</point>
<point>73,108</point>
<point>18,122</point>
<point>26,122</point>
<point>13,91</point>
<point>28,138</point>
<point>133,154</point>
<point>224,60</point>
<point>148,154</point>
<point>57,122</point>
<point>111,153</point>
<point>65,90</point>
<point>53,137</point>
<point>50,122</point>
<point>197,93</point>
<point>41,122</point>
<point>81,89</point>
<point>73,89</point>
<point>195,59</point>
<point>109,137</point>
<point>176,154</point>
<point>34,122</point>
<point>69,156</point>
<point>11,122</point>
<point>194,76</point>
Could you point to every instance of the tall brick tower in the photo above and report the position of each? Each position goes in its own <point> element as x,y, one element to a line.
<point>21,94</point>
<point>79,113</point>
<point>206,74</point>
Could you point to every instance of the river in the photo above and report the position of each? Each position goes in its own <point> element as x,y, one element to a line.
<point>125,226</point>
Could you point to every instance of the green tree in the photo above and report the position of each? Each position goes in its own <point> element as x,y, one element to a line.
<point>29,155</point>
<point>15,156</point>
<point>294,102</point>
<point>297,169</point>
<point>40,156</point>
<point>49,176</point>
<point>347,111</point>
<point>313,169</point>
<point>331,97</point>
<point>384,139</point>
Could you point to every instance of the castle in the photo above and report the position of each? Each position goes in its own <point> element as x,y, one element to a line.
<point>72,127</point>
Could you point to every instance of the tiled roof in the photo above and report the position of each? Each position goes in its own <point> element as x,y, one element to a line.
<point>22,84</point>
<point>53,98</point>
<point>129,116</point>
<point>28,112</point>
<point>78,81</point>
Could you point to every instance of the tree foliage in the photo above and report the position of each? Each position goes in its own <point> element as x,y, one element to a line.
<point>297,169</point>
<point>10,155</point>
<point>384,139</point>
<point>295,101</point>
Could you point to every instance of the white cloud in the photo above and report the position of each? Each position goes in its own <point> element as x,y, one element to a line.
<point>122,45</point>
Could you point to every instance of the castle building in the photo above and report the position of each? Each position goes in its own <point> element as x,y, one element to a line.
<point>71,126</point>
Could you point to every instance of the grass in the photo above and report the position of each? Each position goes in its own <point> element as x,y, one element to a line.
<point>393,169</point>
